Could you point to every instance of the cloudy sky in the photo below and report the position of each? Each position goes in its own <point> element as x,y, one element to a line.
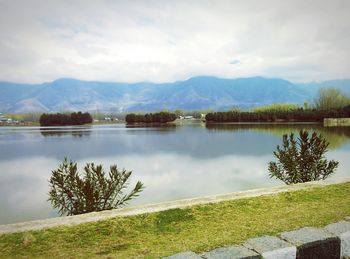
<point>167,40</point>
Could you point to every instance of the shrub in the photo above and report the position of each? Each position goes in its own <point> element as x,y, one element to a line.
<point>302,159</point>
<point>74,194</point>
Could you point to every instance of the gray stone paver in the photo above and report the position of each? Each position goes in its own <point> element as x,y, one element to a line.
<point>184,255</point>
<point>306,235</point>
<point>271,247</point>
<point>232,252</point>
<point>314,243</point>
<point>342,230</point>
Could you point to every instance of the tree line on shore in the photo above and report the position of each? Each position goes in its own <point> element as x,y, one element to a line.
<point>299,115</point>
<point>62,119</point>
<point>159,117</point>
<point>330,103</point>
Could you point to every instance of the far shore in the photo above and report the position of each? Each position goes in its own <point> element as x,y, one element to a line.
<point>36,124</point>
<point>174,123</point>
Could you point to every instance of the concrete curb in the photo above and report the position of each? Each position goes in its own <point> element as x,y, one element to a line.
<point>330,242</point>
<point>136,210</point>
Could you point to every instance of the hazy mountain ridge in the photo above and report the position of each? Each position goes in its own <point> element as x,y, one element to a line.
<point>195,93</point>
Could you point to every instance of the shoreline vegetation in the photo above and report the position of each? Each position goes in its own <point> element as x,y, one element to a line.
<point>159,117</point>
<point>60,119</point>
<point>198,228</point>
<point>277,113</point>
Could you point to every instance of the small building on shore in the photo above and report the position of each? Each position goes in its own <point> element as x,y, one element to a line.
<point>4,119</point>
<point>334,122</point>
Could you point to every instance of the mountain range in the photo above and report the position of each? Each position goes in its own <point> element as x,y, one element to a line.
<point>204,92</point>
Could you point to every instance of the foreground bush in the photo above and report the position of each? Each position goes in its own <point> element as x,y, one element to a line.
<point>302,160</point>
<point>74,194</point>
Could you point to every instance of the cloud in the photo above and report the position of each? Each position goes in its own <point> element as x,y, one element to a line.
<point>172,40</point>
<point>235,62</point>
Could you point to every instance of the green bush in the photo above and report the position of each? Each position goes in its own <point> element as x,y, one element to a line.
<point>74,194</point>
<point>302,159</point>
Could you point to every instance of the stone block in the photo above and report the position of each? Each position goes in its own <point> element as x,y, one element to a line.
<point>271,247</point>
<point>184,255</point>
<point>313,243</point>
<point>232,252</point>
<point>341,229</point>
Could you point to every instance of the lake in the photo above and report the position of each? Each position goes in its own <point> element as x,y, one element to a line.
<point>174,162</point>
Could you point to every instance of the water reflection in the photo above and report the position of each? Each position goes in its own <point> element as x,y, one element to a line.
<point>158,127</point>
<point>336,136</point>
<point>56,132</point>
<point>24,189</point>
<point>187,161</point>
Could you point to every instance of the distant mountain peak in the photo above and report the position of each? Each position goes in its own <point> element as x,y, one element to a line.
<point>66,80</point>
<point>195,78</point>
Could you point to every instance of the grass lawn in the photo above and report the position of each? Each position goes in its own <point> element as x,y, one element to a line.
<point>199,228</point>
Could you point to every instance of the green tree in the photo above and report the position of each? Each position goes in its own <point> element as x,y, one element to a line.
<point>302,159</point>
<point>130,118</point>
<point>159,117</point>
<point>347,110</point>
<point>331,98</point>
<point>72,193</point>
<point>179,112</point>
<point>75,118</point>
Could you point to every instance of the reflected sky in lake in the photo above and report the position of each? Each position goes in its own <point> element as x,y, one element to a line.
<point>179,162</point>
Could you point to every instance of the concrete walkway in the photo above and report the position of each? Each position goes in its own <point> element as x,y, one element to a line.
<point>136,210</point>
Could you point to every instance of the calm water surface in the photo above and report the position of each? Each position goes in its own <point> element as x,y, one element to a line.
<point>174,162</point>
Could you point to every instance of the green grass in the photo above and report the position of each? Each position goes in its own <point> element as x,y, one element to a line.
<point>198,228</point>
<point>277,107</point>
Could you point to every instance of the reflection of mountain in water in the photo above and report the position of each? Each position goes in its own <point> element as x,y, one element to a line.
<point>336,136</point>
